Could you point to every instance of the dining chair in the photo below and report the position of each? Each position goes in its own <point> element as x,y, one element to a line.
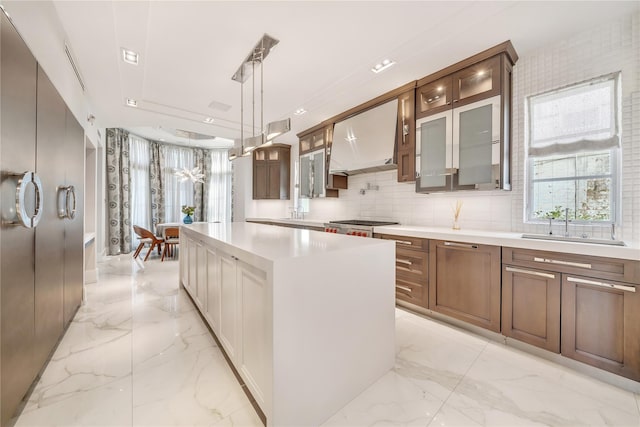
<point>144,237</point>
<point>171,239</point>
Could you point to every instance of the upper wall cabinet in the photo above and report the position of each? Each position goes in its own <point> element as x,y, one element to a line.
<point>315,152</point>
<point>406,137</point>
<point>463,125</point>
<point>271,177</point>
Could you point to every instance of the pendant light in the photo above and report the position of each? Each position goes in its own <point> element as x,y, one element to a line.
<point>244,146</point>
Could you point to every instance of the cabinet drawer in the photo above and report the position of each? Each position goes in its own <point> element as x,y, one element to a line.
<point>415,243</point>
<point>412,265</point>
<point>592,266</point>
<point>413,293</point>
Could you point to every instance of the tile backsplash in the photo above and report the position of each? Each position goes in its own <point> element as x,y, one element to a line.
<point>615,46</point>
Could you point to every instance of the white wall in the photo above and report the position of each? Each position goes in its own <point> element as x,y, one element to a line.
<point>614,46</point>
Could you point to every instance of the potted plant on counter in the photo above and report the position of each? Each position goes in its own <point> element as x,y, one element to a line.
<point>188,211</point>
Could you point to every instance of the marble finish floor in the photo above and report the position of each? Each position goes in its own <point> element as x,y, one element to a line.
<point>138,354</point>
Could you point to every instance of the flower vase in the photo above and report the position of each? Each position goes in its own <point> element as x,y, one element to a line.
<point>187,219</point>
<point>456,225</point>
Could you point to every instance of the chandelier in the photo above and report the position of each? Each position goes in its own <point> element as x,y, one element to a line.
<point>194,175</point>
<point>244,146</point>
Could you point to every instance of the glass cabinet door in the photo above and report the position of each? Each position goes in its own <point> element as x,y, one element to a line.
<point>312,174</point>
<point>476,144</point>
<point>305,176</point>
<point>476,82</point>
<point>434,97</point>
<point>318,174</point>
<point>434,153</point>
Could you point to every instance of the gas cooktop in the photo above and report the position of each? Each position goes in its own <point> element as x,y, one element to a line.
<point>363,222</point>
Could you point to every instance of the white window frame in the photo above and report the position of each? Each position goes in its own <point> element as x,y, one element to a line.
<point>615,153</point>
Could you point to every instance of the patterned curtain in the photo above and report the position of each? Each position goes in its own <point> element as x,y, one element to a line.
<point>202,160</point>
<point>118,183</point>
<point>156,181</point>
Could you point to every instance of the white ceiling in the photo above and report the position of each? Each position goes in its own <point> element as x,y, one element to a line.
<point>190,49</point>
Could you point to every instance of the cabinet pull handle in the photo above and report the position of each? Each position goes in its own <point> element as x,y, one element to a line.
<point>455,100</point>
<point>461,245</point>
<point>404,288</point>
<point>404,261</point>
<point>403,242</point>
<point>557,261</point>
<point>601,284</point>
<point>534,273</point>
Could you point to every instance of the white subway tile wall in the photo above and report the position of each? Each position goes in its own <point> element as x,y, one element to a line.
<point>614,46</point>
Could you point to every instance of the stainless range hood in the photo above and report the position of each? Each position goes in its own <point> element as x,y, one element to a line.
<point>365,142</point>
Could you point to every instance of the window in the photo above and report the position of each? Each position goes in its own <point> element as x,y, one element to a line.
<point>219,200</point>
<point>176,192</point>
<point>573,150</point>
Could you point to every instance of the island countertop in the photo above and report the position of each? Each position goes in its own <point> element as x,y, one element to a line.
<point>274,243</point>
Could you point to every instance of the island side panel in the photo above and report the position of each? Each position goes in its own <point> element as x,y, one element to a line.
<point>333,330</point>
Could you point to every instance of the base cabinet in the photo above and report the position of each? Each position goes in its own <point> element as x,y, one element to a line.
<point>229,302</point>
<point>213,290</point>
<point>531,306</point>
<point>412,269</point>
<point>232,296</point>
<point>472,293</point>
<point>601,324</point>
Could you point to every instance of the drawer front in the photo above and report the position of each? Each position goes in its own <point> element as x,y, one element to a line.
<point>411,292</point>
<point>412,265</point>
<point>598,267</point>
<point>414,243</point>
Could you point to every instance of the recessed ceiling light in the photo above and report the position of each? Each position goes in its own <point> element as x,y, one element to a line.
<point>300,111</point>
<point>381,66</point>
<point>208,120</point>
<point>130,57</point>
<point>132,102</point>
<point>162,139</point>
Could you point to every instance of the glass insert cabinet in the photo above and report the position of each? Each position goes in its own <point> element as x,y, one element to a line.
<point>463,128</point>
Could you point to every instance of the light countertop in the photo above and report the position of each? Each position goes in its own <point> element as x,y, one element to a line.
<point>498,238</point>
<point>508,239</point>
<point>273,243</point>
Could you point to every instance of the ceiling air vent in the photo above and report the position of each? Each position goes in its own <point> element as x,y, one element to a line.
<point>70,57</point>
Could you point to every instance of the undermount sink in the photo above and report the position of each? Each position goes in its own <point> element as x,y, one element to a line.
<point>574,239</point>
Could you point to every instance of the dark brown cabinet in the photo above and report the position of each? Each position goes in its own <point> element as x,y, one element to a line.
<point>474,82</point>
<point>41,274</point>
<point>463,126</point>
<point>464,282</point>
<point>406,137</point>
<point>601,324</point>
<point>271,172</point>
<point>531,306</point>
<point>597,300</point>
<point>412,269</point>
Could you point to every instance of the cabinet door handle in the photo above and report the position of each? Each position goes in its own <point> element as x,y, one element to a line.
<point>534,273</point>
<point>601,284</point>
<point>404,288</point>
<point>461,245</point>
<point>403,242</point>
<point>455,100</point>
<point>404,261</point>
<point>560,262</point>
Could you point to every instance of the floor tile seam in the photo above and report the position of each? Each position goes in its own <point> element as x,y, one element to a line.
<point>462,377</point>
<point>637,397</point>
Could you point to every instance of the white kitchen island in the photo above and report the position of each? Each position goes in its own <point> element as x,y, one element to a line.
<point>307,318</point>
